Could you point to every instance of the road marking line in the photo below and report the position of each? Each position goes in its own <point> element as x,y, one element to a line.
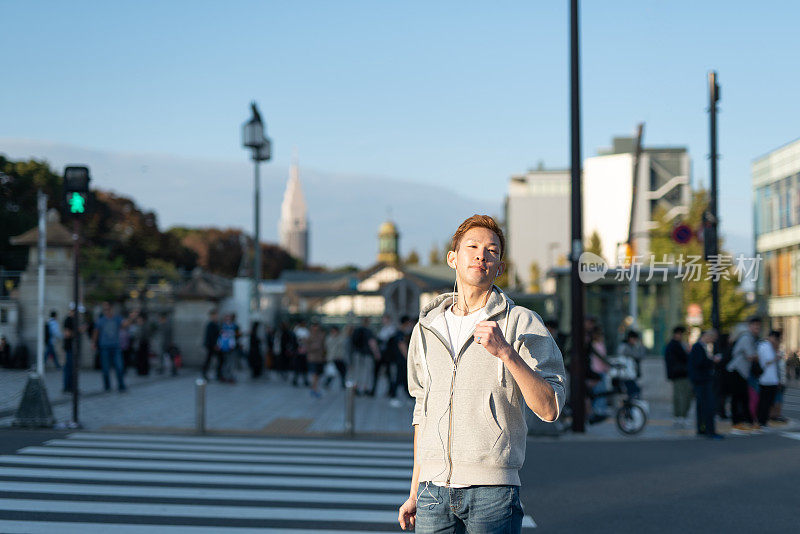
<point>351,444</point>
<point>262,449</point>
<point>210,511</point>
<point>262,459</point>
<point>53,472</point>
<point>216,494</point>
<point>255,469</point>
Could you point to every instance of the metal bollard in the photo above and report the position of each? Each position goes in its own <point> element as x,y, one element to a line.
<point>200,405</point>
<point>349,410</point>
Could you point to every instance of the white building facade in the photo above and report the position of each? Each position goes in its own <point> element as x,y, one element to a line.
<point>776,199</point>
<point>663,181</point>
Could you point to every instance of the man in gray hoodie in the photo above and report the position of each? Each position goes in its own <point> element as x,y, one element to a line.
<point>474,359</point>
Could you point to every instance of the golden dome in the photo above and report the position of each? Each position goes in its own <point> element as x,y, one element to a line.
<point>387,228</point>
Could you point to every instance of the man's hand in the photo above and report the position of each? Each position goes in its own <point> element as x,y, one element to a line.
<point>488,334</point>
<point>408,514</point>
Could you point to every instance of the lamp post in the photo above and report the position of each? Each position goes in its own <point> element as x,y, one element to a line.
<point>254,138</point>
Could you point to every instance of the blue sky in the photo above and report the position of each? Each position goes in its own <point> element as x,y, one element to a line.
<point>457,94</point>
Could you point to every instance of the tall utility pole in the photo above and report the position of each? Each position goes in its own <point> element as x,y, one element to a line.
<point>710,218</point>
<point>634,298</point>
<point>41,202</point>
<point>578,367</point>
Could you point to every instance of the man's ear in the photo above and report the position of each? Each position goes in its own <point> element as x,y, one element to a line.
<point>501,269</point>
<point>451,259</point>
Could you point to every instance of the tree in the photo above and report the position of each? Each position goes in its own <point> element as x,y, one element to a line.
<point>221,251</point>
<point>732,301</point>
<point>435,255</point>
<point>595,245</point>
<point>19,181</point>
<point>535,274</point>
<point>412,258</point>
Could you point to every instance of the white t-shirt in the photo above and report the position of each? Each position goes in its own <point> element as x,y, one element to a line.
<point>461,327</point>
<point>765,354</point>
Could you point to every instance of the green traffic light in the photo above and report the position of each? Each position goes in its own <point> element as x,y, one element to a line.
<point>77,203</point>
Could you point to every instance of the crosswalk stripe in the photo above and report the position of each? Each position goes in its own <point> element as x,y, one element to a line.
<point>255,469</point>
<point>53,472</point>
<point>199,510</point>
<point>250,458</point>
<point>791,435</point>
<point>48,527</point>
<point>214,494</point>
<point>262,449</point>
<point>215,440</point>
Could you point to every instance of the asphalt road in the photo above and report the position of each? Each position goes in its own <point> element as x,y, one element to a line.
<point>737,485</point>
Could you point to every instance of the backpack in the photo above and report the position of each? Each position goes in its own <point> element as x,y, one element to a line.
<point>226,341</point>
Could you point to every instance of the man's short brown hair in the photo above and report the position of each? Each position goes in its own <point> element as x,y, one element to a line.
<point>478,221</point>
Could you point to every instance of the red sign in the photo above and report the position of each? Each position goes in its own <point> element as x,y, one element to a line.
<point>682,234</point>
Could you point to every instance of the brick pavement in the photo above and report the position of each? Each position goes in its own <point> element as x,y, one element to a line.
<point>160,403</point>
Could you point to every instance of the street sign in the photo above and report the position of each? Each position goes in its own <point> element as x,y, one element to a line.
<point>682,234</point>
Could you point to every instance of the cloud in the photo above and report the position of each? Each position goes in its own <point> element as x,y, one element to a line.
<point>344,210</point>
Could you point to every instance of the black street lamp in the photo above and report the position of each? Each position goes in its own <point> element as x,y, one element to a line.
<point>254,137</point>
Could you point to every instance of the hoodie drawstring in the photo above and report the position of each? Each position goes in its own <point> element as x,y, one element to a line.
<point>501,374</point>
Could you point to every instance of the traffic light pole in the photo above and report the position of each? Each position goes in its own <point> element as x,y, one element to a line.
<point>76,335</point>
<point>578,365</point>
<point>712,247</point>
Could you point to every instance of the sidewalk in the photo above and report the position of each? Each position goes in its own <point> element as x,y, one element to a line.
<point>160,403</point>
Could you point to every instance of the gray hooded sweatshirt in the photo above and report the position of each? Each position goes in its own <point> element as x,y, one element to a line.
<point>468,407</point>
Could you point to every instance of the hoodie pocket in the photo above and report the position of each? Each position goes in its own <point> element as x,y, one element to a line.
<point>475,429</point>
<point>433,441</point>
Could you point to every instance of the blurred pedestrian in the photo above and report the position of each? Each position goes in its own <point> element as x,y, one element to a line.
<point>596,375</point>
<point>336,354</point>
<point>676,359</point>
<point>768,381</point>
<point>69,347</point>
<point>387,349</point>
<point>52,337</point>
<point>632,348</point>
<point>316,356</point>
<point>226,345</point>
<point>701,373</point>
<point>106,340</point>
<point>740,367</point>
<point>5,353</point>
<point>300,356</point>
<point>210,336</point>
<point>142,344</point>
<point>400,376</point>
<point>255,358</point>
<point>365,354</point>
<point>776,412</point>
<point>133,332</point>
<point>164,345</point>
<point>284,346</point>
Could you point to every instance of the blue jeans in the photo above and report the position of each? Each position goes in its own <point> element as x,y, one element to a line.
<point>112,355</point>
<point>473,510</point>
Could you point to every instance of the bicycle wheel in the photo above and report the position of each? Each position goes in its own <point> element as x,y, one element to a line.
<point>631,419</point>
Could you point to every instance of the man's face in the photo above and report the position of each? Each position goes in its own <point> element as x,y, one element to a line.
<point>775,341</point>
<point>755,328</point>
<point>477,260</point>
<point>107,308</point>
